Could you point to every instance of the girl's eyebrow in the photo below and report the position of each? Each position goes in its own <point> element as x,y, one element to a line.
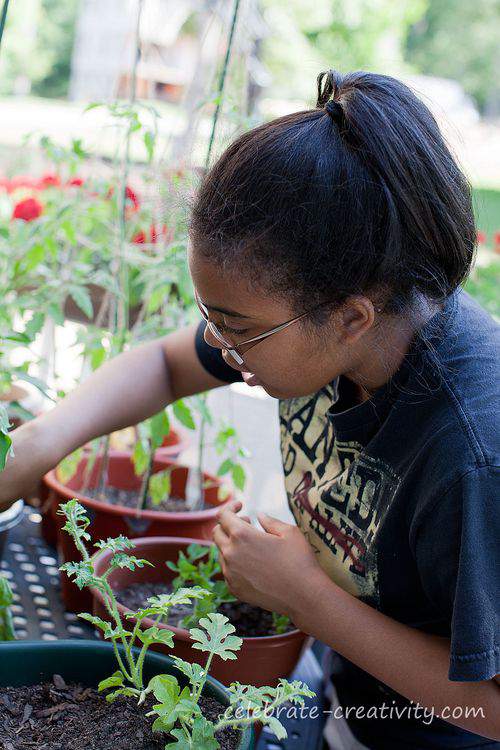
<point>223,310</point>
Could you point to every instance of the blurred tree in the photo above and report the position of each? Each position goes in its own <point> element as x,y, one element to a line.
<point>459,40</point>
<point>306,37</point>
<point>37,46</point>
<point>55,38</point>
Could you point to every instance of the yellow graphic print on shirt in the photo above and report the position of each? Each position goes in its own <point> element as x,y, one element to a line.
<point>338,495</point>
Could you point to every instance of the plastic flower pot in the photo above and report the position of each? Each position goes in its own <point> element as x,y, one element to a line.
<point>87,662</point>
<point>8,519</point>
<point>261,661</point>
<point>112,520</point>
<point>174,443</point>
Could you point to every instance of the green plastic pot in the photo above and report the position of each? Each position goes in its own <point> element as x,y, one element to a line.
<point>87,662</point>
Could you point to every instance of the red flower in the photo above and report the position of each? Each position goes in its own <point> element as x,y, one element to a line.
<point>49,180</point>
<point>496,238</point>
<point>27,209</point>
<point>75,182</point>
<point>139,238</point>
<point>132,197</point>
<point>481,238</point>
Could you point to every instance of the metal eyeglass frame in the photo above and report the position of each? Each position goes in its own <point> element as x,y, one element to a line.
<point>232,348</point>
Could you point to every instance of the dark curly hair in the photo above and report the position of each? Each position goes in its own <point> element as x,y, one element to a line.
<point>360,195</point>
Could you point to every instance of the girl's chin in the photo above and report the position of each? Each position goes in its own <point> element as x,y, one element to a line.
<point>251,379</point>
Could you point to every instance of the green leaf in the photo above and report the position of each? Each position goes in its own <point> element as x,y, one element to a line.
<point>216,638</point>
<point>125,691</point>
<point>116,544</point>
<point>160,605</point>
<point>116,680</point>
<point>6,595</point>
<point>82,300</point>
<point>225,467</point>
<point>238,475</point>
<point>69,231</point>
<point>5,449</point>
<point>77,520</point>
<point>122,560</point>
<point>222,438</point>
<point>55,312</point>
<point>157,635</point>
<point>149,142</point>
<point>140,457</point>
<point>35,325</point>
<point>159,428</point>
<point>97,357</point>
<point>160,486</point>
<point>34,256</point>
<point>202,737</point>
<point>193,671</point>
<point>183,413</point>
<point>97,622</point>
<point>81,572</point>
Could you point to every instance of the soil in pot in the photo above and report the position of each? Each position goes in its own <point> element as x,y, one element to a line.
<point>248,620</point>
<point>60,716</point>
<point>128,499</point>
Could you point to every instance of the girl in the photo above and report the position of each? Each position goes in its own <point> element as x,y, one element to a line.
<point>327,252</point>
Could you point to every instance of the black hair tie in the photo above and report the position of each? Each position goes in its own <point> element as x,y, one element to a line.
<point>336,112</point>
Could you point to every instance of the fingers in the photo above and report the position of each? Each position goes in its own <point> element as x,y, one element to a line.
<point>232,507</point>
<point>220,538</point>
<point>273,525</point>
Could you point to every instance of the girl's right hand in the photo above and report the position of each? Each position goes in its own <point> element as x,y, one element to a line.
<point>31,460</point>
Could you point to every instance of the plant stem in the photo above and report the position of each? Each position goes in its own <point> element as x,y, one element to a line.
<point>222,80</point>
<point>110,603</point>
<point>143,494</point>
<point>103,472</point>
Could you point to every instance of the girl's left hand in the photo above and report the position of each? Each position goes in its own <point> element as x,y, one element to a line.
<point>270,568</point>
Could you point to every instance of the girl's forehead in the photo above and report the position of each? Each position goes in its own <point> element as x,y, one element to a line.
<point>224,292</point>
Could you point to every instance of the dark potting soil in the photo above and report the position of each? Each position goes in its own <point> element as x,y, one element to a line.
<point>56,716</point>
<point>248,620</point>
<point>128,498</point>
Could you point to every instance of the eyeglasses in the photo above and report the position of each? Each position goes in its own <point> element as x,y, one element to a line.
<point>236,350</point>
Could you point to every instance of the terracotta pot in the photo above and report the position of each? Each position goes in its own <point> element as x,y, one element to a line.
<point>261,660</point>
<point>173,445</point>
<point>112,520</point>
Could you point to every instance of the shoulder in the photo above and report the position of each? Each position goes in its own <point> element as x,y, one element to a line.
<point>466,364</point>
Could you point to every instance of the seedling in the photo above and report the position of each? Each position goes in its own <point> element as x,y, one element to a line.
<point>177,710</point>
<point>7,632</point>
<point>200,566</point>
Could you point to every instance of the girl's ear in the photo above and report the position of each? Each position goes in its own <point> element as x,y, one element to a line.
<point>357,316</point>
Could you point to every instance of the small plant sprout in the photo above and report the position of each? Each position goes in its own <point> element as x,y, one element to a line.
<point>176,709</point>
<point>200,566</point>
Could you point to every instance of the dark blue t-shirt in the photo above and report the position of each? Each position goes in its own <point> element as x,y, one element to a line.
<point>400,498</point>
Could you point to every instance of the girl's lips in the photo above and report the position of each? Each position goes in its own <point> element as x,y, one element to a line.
<point>250,378</point>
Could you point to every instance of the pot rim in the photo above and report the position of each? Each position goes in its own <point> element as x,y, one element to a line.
<point>175,448</point>
<point>11,516</point>
<point>182,633</point>
<point>121,510</point>
<point>59,647</point>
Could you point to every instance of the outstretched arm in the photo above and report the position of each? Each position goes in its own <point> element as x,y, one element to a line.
<point>129,388</point>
